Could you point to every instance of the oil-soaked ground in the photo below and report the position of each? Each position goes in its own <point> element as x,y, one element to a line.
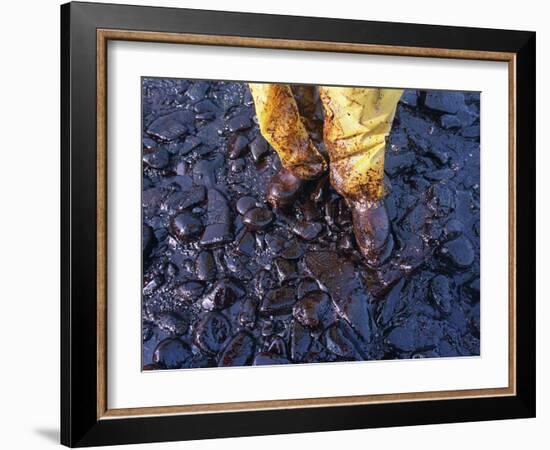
<point>228,281</point>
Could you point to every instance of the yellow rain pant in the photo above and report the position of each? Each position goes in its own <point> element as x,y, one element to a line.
<point>356,124</point>
<point>282,126</point>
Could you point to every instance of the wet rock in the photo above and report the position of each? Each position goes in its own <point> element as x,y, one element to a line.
<point>447,102</point>
<point>185,226</point>
<point>305,286</point>
<point>189,144</point>
<point>204,173</point>
<point>218,229</point>
<point>245,204</point>
<point>278,301</point>
<point>238,123</point>
<point>310,211</point>
<point>439,175</point>
<point>401,338</point>
<point>474,320</point>
<point>347,291</point>
<point>172,323</point>
<point>158,159</point>
<point>449,121</point>
<point>184,182</point>
<point>237,165</point>
<point>246,244</point>
<point>171,270</point>
<point>146,331</point>
<point>285,270</point>
<point>148,143</point>
<point>222,295</point>
<point>472,290</point>
<point>312,309</point>
<point>275,243</point>
<point>459,252</point>
<point>441,293</point>
<point>247,316</point>
<point>258,148</point>
<point>413,253</point>
<point>173,147</point>
<point>257,218</point>
<point>218,208</point>
<point>468,116</point>
<point>204,106</point>
<point>205,266</point>
<point>198,90</point>
<point>269,359</point>
<point>190,291</point>
<point>148,241</point>
<point>307,230</point>
<point>216,234</point>
<point>392,302</point>
<point>172,353</point>
<point>441,199</point>
<point>263,282</point>
<point>239,351</point>
<point>294,250</point>
<point>300,341</point>
<point>409,97</point>
<point>146,183</point>
<point>440,154</point>
<point>399,163</point>
<point>277,346</point>
<point>267,329</point>
<point>212,332</point>
<point>471,132</point>
<point>232,262</point>
<point>205,116</point>
<point>171,126</point>
<point>416,220</point>
<point>160,232</point>
<point>186,199</point>
<point>339,344</point>
<point>453,228</point>
<point>181,168</point>
<point>237,145</point>
<point>152,285</point>
<point>447,350</point>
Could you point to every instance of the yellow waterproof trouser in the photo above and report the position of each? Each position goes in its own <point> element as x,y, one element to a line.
<point>356,124</point>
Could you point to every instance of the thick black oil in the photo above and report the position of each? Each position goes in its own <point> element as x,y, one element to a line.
<point>227,280</point>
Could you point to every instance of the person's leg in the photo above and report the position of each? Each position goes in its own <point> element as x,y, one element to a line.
<point>357,123</point>
<point>281,125</point>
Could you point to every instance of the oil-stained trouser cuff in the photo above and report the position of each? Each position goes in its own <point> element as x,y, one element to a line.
<point>281,125</point>
<point>357,123</point>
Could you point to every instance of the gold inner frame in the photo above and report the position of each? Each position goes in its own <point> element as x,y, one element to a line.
<point>103,36</point>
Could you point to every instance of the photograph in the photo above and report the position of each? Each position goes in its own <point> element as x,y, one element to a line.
<point>301,223</point>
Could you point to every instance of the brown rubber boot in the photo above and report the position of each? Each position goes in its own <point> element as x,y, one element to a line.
<point>284,188</point>
<point>371,227</point>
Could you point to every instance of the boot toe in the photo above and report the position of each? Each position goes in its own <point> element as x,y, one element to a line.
<point>371,227</point>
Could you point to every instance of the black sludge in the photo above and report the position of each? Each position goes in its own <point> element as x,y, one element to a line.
<point>229,279</point>
<point>347,291</point>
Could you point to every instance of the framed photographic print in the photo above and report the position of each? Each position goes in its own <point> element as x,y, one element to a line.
<point>276,224</point>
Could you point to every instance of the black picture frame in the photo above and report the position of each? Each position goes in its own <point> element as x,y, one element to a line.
<point>80,425</point>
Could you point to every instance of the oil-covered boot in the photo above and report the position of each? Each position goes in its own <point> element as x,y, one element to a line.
<point>371,227</point>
